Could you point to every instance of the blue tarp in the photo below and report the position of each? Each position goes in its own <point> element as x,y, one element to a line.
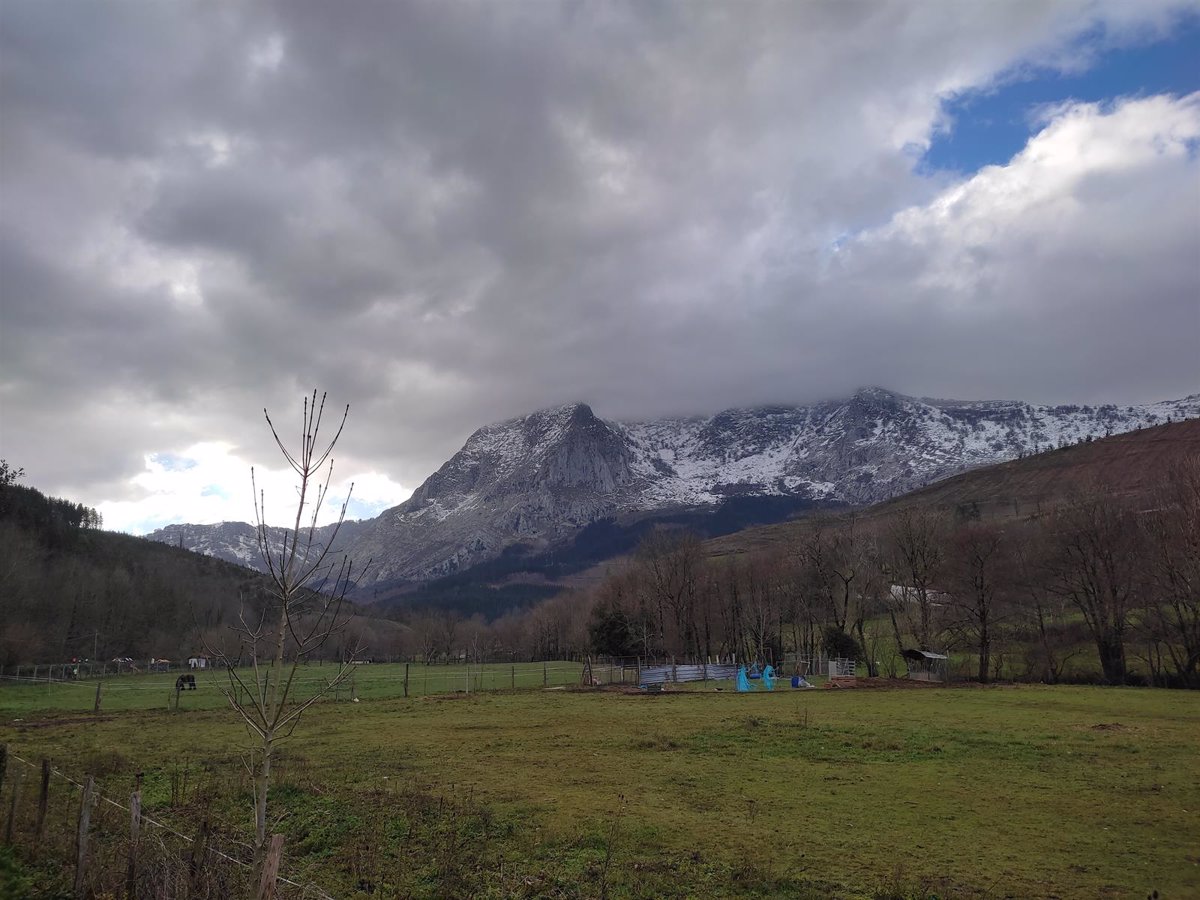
<point>743,683</point>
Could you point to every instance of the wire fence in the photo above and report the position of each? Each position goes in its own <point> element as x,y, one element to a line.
<point>102,847</point>
<point>208,688</point>
<point>204,689</point>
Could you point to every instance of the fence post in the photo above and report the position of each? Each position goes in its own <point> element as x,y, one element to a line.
<point>674,673</point>
<point>3,763</point>
<point>85,818</point>
<point>199,854</point>
<point>99,685</point>
<point>406,681</point>
<point>39,831</point>
<point>270,871</point>
<point>545,676</point>
<point>18,776</point>
<point>513,675</point>
<point>135,828</point>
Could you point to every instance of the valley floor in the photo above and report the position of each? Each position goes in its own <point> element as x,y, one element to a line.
<point>1002,792</point>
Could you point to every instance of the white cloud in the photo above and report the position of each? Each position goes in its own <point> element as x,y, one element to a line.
<point>447,219</point>
<point>209,482</point>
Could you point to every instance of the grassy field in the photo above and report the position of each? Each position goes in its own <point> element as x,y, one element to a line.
<point>1006,791</point>
<point>369,682</point>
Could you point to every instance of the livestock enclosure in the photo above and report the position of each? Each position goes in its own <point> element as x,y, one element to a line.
<point>918,792</point>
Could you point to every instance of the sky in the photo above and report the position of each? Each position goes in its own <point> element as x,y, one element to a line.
<point>446,214</point>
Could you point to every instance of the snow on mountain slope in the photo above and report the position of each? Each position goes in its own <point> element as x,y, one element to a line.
<point>538,479</point>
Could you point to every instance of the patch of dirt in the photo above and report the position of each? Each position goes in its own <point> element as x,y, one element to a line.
<point>51,723</point>
<point>1109,726</point>
<point>879,683</point>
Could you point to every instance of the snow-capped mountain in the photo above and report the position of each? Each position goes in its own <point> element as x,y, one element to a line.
<point>236,542</point>
<point>539,479</point>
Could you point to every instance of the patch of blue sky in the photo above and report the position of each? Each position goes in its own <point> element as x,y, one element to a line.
<point>360,509</point>
<point>991,125</point>
<point>214,490</point>
<point>172,463</point>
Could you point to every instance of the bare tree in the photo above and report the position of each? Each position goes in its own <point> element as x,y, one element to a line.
<point>918,540</point>
<point>1097,566</point>
<point>975,572</point>
<point>1173,532</point>
<point>670,565</point>
<point>304,609</point>
<point>1042,613</point>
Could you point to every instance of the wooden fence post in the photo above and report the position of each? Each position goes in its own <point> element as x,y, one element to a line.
<point>3,763</point>
<point>514,678</point>
<point>18,776</point>
<point>406,681</point>
<point>199,855</point>
<point>545,676</point>
<point>135,829</point>
<point>270,870</point>
<point>99,685</point>
<point>39,831</point>
<point>81,842</point>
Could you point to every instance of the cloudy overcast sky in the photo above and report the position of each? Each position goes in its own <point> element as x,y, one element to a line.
<point>450,213</point>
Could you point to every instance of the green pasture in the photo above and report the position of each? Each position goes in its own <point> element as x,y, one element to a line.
<point>1025,791</point>
<point>373,681</point>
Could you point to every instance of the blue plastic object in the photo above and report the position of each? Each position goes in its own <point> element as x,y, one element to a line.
<point>743,683</point>
<point>768,678</point>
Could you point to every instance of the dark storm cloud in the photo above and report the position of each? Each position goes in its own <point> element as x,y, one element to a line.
<point>451,213</point>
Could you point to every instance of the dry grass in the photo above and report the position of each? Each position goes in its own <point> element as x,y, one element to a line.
<point>1028,791</point>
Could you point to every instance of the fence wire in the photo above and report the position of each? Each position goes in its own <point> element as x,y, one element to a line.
<point>303,888</point>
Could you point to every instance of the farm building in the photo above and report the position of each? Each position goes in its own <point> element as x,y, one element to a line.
<point>925,665</point>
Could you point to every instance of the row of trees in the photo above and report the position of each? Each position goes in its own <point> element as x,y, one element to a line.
<point>1098,586</point>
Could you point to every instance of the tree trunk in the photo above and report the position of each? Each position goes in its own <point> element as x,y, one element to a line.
<point>1112,658</point>
<point>262,781</point>
<point>985,653</point>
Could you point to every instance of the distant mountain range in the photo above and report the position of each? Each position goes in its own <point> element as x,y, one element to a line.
<point>544,481</point>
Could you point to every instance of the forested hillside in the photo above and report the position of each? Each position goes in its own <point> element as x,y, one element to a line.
<point>69,589</point>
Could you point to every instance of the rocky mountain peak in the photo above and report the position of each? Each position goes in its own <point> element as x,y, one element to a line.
<point>537,480</point>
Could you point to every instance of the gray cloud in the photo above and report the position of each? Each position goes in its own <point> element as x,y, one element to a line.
<point>446,214</point>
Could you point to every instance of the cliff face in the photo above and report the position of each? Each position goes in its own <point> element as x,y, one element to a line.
<point>537,480</point>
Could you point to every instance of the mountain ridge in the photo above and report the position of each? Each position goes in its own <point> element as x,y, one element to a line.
<point>536,481</point>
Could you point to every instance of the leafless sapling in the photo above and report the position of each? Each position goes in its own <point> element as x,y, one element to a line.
<point>306,606</point>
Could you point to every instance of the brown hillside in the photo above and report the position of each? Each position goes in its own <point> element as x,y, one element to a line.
<point>1128,465</point>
